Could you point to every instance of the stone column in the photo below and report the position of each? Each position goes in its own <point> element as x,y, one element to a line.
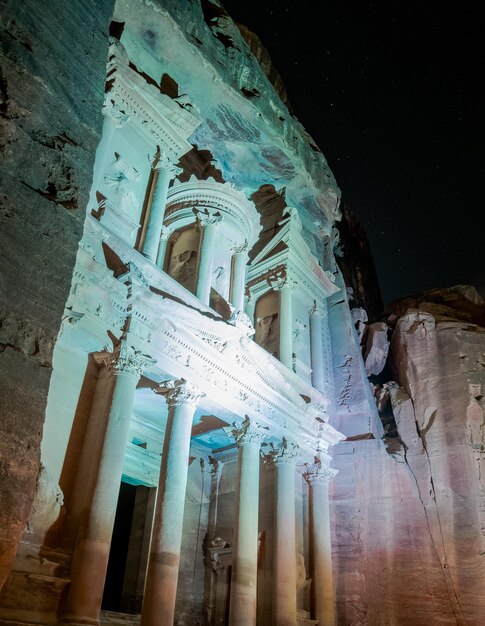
<point>204,278</point>
<point>316,339</point>
<point>165,172</point>
<point>163,565</point>
<point>91,552</point>
<point>239,277</point>
<point>242,603</point>
<point>162,248</point>
<point>250,308</point>
<point>284,558</point>
<point>323,602</point>
<point>286,325</point>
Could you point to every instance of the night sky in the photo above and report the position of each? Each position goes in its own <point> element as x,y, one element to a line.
<point>390,93</point>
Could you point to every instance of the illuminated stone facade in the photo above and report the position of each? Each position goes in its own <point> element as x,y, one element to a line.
<point>199,360</point>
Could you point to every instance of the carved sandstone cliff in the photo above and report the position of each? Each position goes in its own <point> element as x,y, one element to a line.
<point>51,90</point>
<point>410,508</point>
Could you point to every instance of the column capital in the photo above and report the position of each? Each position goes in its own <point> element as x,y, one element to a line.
<point>207,219</point>
<point>316,311</point>
<point>125,359</point>
<point>180,393</point>
<point>114,112</point>
<point>164,163</point>
<point>284,453</point>
<point>241,249</point>
<point>215,467</point>
<point>317,473</point>
<point>249,431</point>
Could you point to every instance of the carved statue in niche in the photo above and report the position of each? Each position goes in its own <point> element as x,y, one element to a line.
<point>121,176</point>
<point>221,281</point>
<point>183,266</point>
<point>267,333</point>
<point>299,334</point>
<point>183,257</point>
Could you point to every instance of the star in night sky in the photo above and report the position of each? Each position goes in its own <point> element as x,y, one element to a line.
<point>390,92</point>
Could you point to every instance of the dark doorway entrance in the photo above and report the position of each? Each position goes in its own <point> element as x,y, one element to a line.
<point>118,554</point>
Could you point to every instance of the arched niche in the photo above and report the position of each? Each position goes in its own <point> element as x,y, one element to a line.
<point>182,256</point>
<point>267,322</point>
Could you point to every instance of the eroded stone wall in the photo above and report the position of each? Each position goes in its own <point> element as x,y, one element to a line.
<point>408,515</point>
<point>52,74</point>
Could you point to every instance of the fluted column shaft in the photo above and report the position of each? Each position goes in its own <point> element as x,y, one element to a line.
<point>284,559</point>
<point>204,277</point>
<point>239,279</point>
<point>165,172</point>
<point>242,604</point>
<point>286,326</point>
<point>163,565</point>
<point>91,552</point>
<point>318,378</point>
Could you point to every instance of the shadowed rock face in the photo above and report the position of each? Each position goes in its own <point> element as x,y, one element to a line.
<point>52,94</point>
<point>357,264</point>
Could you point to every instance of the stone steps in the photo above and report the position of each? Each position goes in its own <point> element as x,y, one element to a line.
<point>111,618</point>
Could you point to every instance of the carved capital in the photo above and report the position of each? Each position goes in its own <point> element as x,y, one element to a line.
<point>164,163</point>
<point>180,393</point>
<point>285,453</point>
<point>215,469</point>
<point>113,111</point>
<point>208,219</point>
<point>127,360</point>
<point>316,311</point>
<point>248,432</point>
<point>242,249</point>
<point>317,473</point>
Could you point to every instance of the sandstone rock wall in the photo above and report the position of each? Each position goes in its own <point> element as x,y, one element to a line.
<point>409,509</point>
<point>52,74</point>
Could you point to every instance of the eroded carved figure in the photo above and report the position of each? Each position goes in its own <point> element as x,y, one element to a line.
<point>267,333</point>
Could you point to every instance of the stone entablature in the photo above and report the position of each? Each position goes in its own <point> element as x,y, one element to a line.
<point>219,356</point>
<point>287,256</point>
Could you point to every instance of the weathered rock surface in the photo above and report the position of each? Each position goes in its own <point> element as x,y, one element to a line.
<point>50,114</point>
<point>377,348</point>
<point>409,515</point>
